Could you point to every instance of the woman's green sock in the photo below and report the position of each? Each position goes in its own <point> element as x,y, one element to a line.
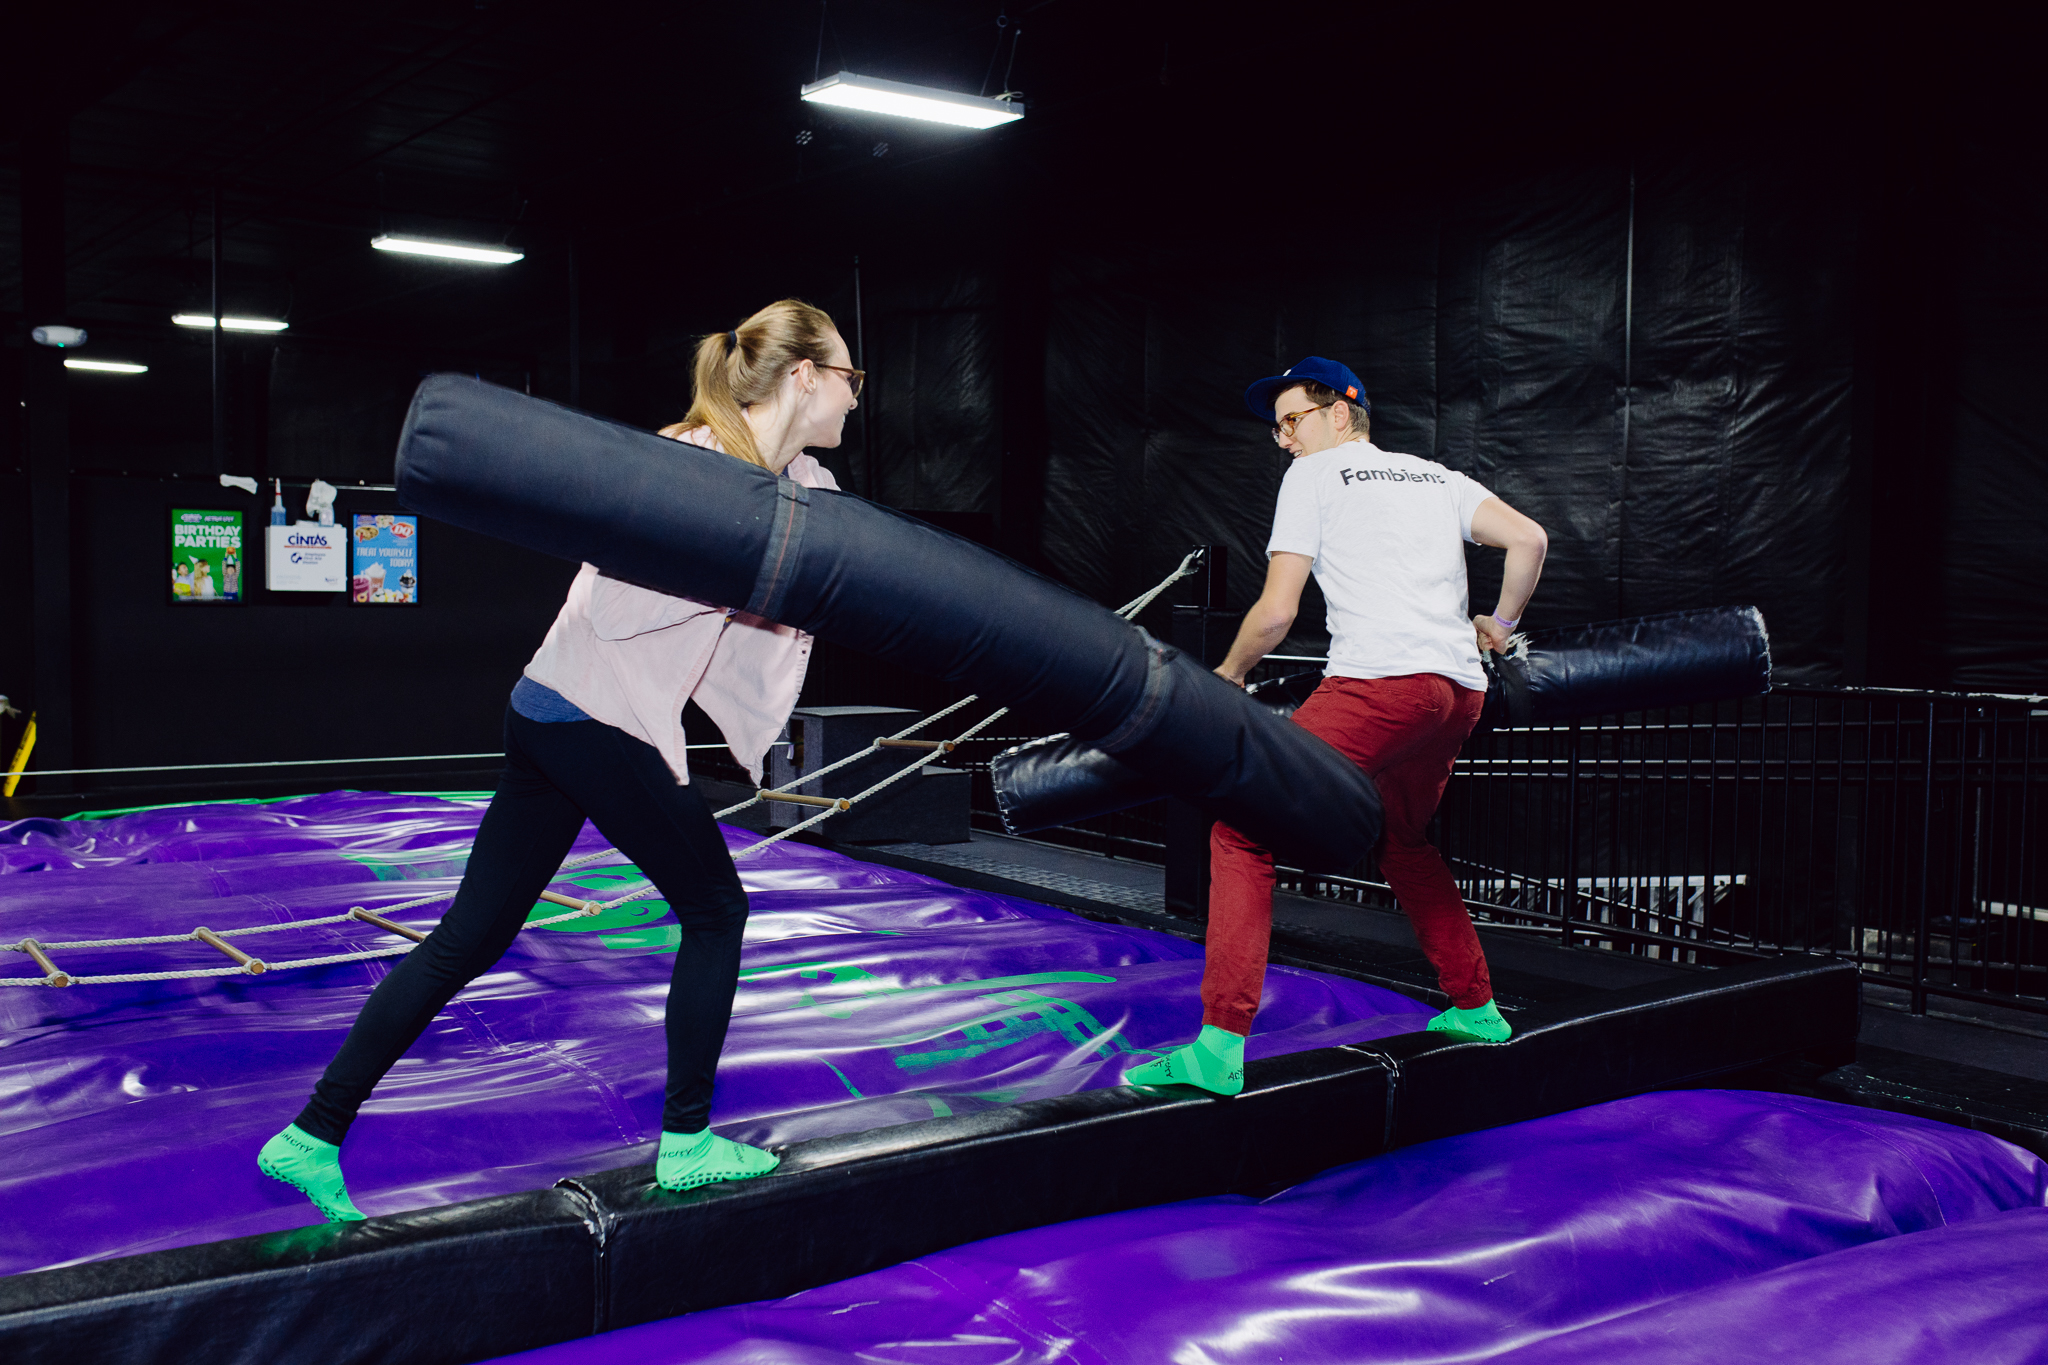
<point>311,1167</point>
<point>1482,1022</point>
<point>1214,1061</point>
<point>687,1160</point>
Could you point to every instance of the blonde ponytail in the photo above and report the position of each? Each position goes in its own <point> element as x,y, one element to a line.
<point>745,366</point>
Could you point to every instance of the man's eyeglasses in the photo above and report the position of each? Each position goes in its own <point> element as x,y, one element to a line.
<point>1284,428</point>
<point>854,378</point>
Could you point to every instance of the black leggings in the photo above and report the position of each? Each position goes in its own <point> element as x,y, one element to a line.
<point>555,775</point>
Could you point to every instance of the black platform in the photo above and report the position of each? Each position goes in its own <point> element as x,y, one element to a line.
<point>470,1281</point>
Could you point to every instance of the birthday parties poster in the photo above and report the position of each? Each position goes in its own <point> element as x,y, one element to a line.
<point>387,559</point>
<point>206,556</point>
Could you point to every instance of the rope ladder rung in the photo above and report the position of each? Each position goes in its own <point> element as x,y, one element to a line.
<point>799,799</point>
<point>52,975</point>
<point>254,966</point>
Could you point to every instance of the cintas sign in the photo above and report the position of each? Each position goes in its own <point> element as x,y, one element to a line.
<point>306,558</point>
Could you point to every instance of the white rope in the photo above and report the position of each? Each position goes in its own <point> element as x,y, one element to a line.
<point>1138,604</point>
<point>903,772</point>
<point>850,758</point>
<point>397,950</point>
<point>1127,611</point>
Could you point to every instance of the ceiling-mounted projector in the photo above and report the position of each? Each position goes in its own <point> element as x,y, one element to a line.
<point>58,336</point>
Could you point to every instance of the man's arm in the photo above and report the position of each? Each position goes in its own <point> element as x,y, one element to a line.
<point>1270,618</point>
<point>1501,526</point>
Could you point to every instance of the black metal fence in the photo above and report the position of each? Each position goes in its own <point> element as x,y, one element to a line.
<point>1901,830</point>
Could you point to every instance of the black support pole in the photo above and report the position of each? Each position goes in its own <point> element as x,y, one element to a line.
<point>860,355</point>
<point>45,148</point>
<point>1204,631</point>
<point>220,392</point>
<point>575,331</point>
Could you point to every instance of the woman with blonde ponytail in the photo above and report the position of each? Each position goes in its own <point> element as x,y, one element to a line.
<point>594,731</point>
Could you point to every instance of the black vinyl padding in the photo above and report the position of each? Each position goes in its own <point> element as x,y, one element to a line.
<point>471,1281</point>
<point>1645,662</point>
<point>844,1206</point>
<point>681,520</point>
<point>1062,780</point>
<point>1711,654</point>
<point>1660,1036</point>
<point>436,1287</point>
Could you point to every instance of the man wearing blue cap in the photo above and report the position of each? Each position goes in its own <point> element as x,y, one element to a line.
<point>1384,535</point>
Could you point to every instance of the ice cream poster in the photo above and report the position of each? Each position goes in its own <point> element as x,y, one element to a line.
<point>206,556</point>
<point>387,559</point>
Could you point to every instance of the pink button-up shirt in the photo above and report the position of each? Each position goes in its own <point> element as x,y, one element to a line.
<point>630,657</point>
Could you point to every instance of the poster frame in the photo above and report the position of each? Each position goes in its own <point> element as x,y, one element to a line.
<point>397,513</point>
<point>243,584</point>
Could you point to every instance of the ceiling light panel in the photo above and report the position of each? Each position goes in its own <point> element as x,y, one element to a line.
<point>873,96</point>
<point>72,362</point>
<point>230,324</point>
<point>447,251</point>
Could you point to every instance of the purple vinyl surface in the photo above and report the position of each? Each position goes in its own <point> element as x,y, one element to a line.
<point>130,1114</point>
<point>1684,1226</point>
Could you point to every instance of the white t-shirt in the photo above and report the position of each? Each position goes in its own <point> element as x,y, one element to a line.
<point>1386,533</point>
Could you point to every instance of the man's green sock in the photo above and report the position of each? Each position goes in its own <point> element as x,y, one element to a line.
<point>311,1167</point>
<point>1214,1061</point>
<point>1482,1022</point>
<point>687,1160</point>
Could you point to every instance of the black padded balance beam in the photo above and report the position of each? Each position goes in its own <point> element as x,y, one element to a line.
<point>471,1281</point>
<point>1661,1036</point>
<point>846,1205</point>
<point>436,1287</point>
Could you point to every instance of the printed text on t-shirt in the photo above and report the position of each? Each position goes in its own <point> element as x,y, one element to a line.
<point>1390,475</point>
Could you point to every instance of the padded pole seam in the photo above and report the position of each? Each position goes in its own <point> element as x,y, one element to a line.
<point>771,585</point>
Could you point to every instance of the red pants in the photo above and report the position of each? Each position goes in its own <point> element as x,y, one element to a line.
<point>1405,732</point>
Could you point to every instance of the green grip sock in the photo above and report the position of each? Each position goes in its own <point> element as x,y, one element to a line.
<point>687,1160</point>
<point>1482,1022</point>
<point>1214,1061</point>
<point>311,1167</point>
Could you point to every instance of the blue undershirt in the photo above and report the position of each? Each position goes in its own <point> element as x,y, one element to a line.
<point>538,701</point>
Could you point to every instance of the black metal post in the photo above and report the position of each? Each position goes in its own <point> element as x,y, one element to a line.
<point>45,150</point>
<point>1571,835</point>
<point>575,332</point>
<point>220,395</point>
<point>1920,945</point>
<point>860,352</point>
<point>1203,631</point>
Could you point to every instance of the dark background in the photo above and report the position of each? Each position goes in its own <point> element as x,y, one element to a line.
<point>1743,304</point>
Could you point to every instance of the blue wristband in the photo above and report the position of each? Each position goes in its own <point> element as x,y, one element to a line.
<point>1505,624</point>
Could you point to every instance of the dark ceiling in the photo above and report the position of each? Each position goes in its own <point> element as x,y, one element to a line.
<point>542,123</point>
<point>489,121</point>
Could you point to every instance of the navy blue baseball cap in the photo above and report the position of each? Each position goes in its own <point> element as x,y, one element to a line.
<point>1259,397</point>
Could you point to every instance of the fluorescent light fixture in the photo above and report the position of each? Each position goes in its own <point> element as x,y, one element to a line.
<point>230,324</point>
<point>447,251</point>
<point>866,93</point>
<point>72,362</point>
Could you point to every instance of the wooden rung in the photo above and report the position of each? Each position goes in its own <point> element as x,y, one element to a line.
<point>829,802</point>
<point>251,965</point>
<point>944,746</point>
<point>370,917</point>
<point>587,907</point>
<point>50,972</point>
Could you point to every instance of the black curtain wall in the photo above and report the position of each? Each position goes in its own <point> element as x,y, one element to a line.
<point>1654,361</point>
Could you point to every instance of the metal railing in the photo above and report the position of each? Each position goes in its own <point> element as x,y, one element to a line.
<point>1903,831</point>
<point>1899,830</point>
